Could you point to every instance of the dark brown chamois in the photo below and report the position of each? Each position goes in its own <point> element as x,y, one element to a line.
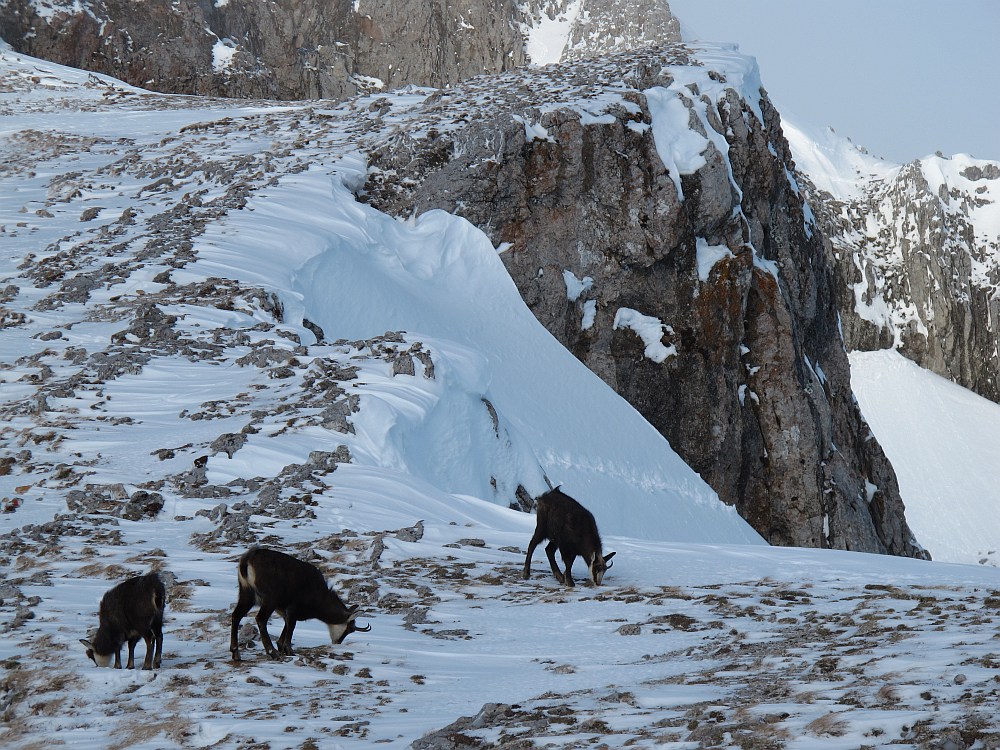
<point>131,610</point>
<point>294,589</point>
<point>572,530</point>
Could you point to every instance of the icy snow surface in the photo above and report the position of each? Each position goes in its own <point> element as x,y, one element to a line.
<point>547,36</point>
<point>145,240</point>
<point>943,441</point>
<point>833,162</point>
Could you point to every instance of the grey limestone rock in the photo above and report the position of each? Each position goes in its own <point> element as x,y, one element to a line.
<point>290,49</point>
<point>228,443</point>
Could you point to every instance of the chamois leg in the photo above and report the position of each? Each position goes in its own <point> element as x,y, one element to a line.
<point>263,615</point>
<point>118,658</point>
<point>285,639</point>
<point>157,634</point>
<point>568,578</point>
<point>550,550</point>
<point>243,605</point>
<point>148,639</point>
<point>535,539</point>
<point>131,652</point>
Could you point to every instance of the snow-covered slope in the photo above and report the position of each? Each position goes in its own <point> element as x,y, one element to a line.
<point>168,397</point>
<point>944,441</point>
<point>301,236</point>
<point>833,162</point>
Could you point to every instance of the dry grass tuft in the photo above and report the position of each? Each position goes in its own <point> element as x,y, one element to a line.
<point>829,725</point>
<point>888,694</point>
<point>143,730</point>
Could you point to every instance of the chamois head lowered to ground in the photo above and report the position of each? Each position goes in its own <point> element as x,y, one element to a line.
<point>572,530</point>
<point>131,610</point>
<point>294,589</point>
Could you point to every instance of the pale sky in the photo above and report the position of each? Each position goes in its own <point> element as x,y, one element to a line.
<point>904,78</point>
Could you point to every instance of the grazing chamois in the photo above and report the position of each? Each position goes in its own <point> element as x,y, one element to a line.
<point>131,610</point>
<point>572,530</point>
<point>294,589</point>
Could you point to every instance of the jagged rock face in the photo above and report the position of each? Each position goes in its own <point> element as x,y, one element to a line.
<point>591,28</point>
<point>292,49</point>
<point>300,49</point>
<point>610,26</point>
<point>917,267</point>
<point>748,376</point>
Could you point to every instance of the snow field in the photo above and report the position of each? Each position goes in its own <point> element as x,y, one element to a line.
<point>941,439</point>
<point>701,637</point>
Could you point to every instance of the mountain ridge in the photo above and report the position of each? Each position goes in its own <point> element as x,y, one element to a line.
<point>916,251</point>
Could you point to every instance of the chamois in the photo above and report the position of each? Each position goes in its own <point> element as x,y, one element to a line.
<point>572,530</point>
<point>294,589</point>
<point>131,610</point>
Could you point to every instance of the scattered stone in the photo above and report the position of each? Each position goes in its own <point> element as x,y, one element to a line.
<point>411,533</point>
<point>228,443</point>
<point>141,505</point>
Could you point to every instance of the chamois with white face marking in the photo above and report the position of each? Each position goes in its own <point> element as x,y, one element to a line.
<point>572,530</point>
<point>131,610</point>
<point>294,589</point>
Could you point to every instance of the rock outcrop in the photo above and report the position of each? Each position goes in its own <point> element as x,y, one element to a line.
<point>292,49</point>
<point>304,49</point>
<point>563,30</point>
<point>686,275</point>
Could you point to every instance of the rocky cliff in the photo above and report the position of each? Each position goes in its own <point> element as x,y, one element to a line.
<point>292,49</point>
<point>301,49</point>
<point>680,267</point>
<point>916,249</point>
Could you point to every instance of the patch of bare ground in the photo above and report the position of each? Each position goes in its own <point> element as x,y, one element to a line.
<point>146,728</point>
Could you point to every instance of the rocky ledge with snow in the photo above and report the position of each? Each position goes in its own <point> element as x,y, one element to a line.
<point>297,49</point>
